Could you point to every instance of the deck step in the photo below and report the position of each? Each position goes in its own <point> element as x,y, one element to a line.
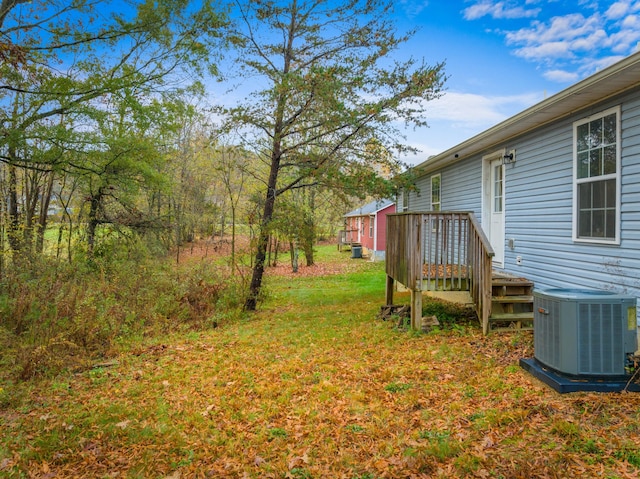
<point>512,316</point>
<point>509,329</point>
<point>508,322</point>
<point>511,303</point>
<point>507,291</point>
<point>513,299</point>
<point>510,282</point>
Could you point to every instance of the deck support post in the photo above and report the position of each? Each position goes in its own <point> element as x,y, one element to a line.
<point>416,310</point>
<point>389,290</point>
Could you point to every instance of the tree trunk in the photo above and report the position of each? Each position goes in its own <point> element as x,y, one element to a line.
<point>263,241</point>
<point>263,236</point>
<point>223,220</point>
<point>233,235</point>
<point>294,256</point>
<point>70,240</point>
<point>44,214</point>
<point>276,251</point>
<point>2,237</point>
<point>272,184</point>
<point>30,200</point>
<point>60,236</point>
<point>307,248</point>
<point>176,210</point>
<point>66,211</point>
<point>93,220</point>
<point>13,234</point>
<point>308,236</point>
<point>269,259</point>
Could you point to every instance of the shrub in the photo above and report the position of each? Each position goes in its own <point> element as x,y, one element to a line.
<point>57,315</point>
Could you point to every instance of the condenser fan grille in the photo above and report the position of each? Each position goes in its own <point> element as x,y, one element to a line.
<point>599,338</point>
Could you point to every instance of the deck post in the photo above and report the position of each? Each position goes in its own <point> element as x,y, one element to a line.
<point>389,290</point>
<point>416,310</point>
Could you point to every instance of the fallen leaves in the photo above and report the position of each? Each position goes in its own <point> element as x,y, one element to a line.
<point>297,461</point>
<point>303,392</point>
<point>123,424</point>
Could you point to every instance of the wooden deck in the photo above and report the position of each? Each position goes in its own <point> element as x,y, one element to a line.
<point>448,251</point>
<point>348,239</point>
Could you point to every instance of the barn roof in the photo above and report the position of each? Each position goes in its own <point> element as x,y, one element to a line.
<point>370,208</point>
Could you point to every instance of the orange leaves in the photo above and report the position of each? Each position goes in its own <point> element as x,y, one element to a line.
<point>327,391</point>
<point>310,271</point>
<point>298,461</point>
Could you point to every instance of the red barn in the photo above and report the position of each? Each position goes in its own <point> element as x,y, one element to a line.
<point>367,227</point>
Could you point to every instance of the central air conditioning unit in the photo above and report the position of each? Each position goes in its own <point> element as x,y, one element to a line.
<point>584,332</point>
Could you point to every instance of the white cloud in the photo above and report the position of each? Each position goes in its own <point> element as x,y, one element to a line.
<point>618,10</point>
<point>561,76</point>
<point>589,42</point>
<point>590,4</point>
<point>593,65</point>
<point>412,7</point>
<point>545,51</point>
<point>566,45</point>
<point>562,28</point>
<point>469,110</point>
<point>499,10</point>
<point>425,150</point>
<point>569,37</point>
<point>586,67</point>
<point>578,39</point>
<point>457,116</point>
<point>631,21</point>
<point>626,39</point>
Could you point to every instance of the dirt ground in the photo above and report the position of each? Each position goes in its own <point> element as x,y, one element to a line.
<point>217,248</point>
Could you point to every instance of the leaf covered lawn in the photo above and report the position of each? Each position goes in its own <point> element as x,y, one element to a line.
<point>314,386</point>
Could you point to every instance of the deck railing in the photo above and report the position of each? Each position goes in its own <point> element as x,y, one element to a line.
<point>347,237</point>
<point>439,251</point>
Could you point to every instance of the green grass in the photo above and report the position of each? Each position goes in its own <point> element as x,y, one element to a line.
<point>332,290</point>
<point>397,387</point>
<point>313,386</point>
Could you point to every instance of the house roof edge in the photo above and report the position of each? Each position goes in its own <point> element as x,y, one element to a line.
<point>580,95</point>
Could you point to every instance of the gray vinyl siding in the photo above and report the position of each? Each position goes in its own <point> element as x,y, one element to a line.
<point>539,205</point>
<point>462,187</point>
<point>539,215</point>
<point>421,200</point>
<point>538,201</point>
<point>418,199</point>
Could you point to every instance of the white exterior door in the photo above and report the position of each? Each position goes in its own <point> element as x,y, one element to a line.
<point>494,209</point>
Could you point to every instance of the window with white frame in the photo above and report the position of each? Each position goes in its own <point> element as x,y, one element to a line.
<point>371,223</point>
<point>597,178</point>
<point>435,192</point>
<point>405,199</point>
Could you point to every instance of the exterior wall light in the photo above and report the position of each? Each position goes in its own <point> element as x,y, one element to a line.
<point>509,158</point>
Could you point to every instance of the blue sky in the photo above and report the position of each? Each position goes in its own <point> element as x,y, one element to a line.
<point>504,56</point>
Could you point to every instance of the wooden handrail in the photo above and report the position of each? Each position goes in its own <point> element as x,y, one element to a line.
<point>480,285</point>
<point>486,244</point>
<point>442,250</point>
<point>347,236</point>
